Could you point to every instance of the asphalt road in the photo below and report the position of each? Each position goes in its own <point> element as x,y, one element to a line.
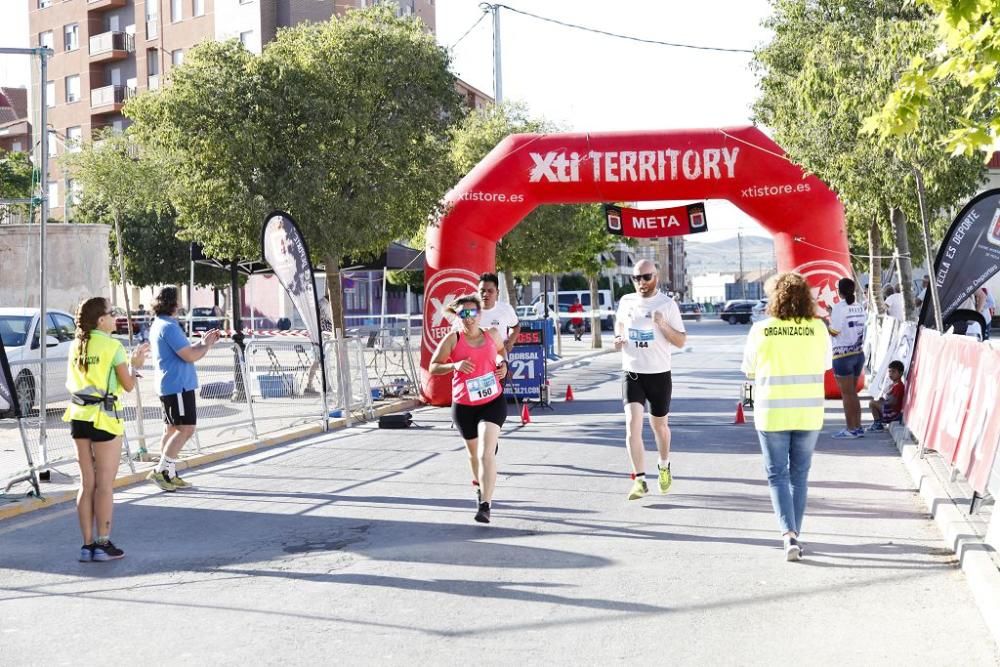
<point>359,547</point>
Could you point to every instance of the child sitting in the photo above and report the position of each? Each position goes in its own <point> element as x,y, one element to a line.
<point>889,409</point>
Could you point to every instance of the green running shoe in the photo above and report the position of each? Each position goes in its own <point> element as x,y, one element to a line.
<point>180,483</point>
<point>665,478</point>
<point>639,489</point>
<point>161,480</point>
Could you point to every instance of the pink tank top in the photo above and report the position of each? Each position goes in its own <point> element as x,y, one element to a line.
<point>481,385</point>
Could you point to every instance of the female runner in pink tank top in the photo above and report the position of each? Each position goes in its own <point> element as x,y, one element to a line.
<point>477,398</point>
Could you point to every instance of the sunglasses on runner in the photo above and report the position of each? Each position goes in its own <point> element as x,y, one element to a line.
<point>467,312</point>
<point>642,276</point>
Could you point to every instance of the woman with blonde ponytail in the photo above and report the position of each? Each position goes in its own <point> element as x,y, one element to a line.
<point>98,371</point>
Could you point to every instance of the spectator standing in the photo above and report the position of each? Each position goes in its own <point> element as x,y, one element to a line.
<point>496,314</point>
<point>176,381</point>
<point>922,296</point>
<point>894,303</point>
<point>98,370</point>
<point>983,308</point>
<point>787,355</point>
<point>847,328</point>
<point>577,322</point>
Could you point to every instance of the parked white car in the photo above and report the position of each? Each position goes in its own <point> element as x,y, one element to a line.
<point>20,332</point>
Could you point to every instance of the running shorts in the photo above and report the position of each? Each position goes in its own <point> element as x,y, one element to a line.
<point>179,409</point>
<point>84,430</point>
<point>849,366</point>
<point>467,417</point>
<point>656,388</point>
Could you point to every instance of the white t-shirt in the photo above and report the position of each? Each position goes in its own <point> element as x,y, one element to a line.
<point>646,349</point>
<point>500,317</point>
<point>849,322</point>
<point>894,304</point>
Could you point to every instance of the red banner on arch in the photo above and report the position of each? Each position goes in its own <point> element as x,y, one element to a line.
<point>654,223</point>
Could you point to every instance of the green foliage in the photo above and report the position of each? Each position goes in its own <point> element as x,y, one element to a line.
<point>16,175</point>
<point>966,53</point>
<point>343,124</point>
<point>528,248</point>
<point>830,64</point>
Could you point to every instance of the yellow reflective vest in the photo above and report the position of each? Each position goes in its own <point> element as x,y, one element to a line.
<point>787,360</point>
<point>99,380</point>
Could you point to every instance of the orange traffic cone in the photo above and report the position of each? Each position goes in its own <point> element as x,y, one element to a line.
<point>569,393</point>
<point>739,413</point>
<point>525,415</point>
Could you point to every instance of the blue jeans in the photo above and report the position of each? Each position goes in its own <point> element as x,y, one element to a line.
<point>787,458</point>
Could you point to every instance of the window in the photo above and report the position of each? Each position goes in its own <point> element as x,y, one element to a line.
<point>197,7</point>
<point>74,138</point>
<point>52,143</point>
<point>53,193</point>
<point>50,93</point>
<point>61,327</point>
<point>245,37</point>
<point>73,88</point>
<point>46,40</point>
<point>42,4</point>
<point>16,147</point>
<point>177,57</point>
<point>71,37</point>
<point>175,11</point>
<point>153,62</point>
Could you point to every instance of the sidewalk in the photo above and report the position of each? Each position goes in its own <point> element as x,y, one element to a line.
<point>360,544</point>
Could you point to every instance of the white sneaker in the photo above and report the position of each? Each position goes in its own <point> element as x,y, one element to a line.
<point>846,435</point>
<point>793,551</point>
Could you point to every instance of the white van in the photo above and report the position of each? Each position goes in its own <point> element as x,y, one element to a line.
<point>606,305</point>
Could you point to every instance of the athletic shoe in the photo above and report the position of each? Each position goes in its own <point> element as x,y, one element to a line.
<point>479,496</point>
<point>665,478</point>
<point>178,482</point>
<point>876,427</point>
<point>86,553</point>
<point>793,551</point>
<point>483,515</point>
<point>161,480</point>
<point>639,489</point>
<point>846,435</point>
<point>107,551</point>
<point>859,432</point>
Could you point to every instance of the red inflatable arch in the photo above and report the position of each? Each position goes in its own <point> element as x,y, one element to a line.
<point>740,165</point>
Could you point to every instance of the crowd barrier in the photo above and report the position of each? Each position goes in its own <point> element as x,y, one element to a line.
<point>275,384</point>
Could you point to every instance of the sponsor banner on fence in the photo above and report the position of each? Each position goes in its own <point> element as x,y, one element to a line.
<point>952,387</point>
<point>920,383</point>
<point>981,430</point>
<point>655,222</point>
<point>968,257</point>
<point>285,251</point>
<point>7,392</point>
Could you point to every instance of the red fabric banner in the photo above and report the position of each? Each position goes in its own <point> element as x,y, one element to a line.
<point>981,431</point>
<point>952,390</point>
<point>920,382</point>
<point>656,222</point>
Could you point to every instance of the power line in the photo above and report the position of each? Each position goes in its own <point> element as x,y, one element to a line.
<point>620,36</point>
<point>471,28</point>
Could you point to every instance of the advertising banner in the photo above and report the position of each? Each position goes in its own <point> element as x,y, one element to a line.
<point>981,429</point>
<point>7,392</point>
<point>655,222</point>
<point>969,255</point>
<point>959,355</point>
<point>285,251</point>
<point>920,383</point>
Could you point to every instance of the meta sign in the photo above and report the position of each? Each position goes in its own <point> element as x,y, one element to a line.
<point>526,365</point>
<point>655,222</point>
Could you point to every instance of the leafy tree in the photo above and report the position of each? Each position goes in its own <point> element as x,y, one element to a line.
<point>966,52</point>
<point>820,79</point>
<point>16,179</point>
<point>343,124</point>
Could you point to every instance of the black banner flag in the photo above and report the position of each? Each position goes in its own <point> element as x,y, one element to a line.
<point>7,390</point>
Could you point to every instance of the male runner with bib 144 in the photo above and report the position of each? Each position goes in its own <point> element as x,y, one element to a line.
<point>647,324</point>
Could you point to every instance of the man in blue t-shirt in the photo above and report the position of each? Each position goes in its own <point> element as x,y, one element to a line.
<point>176,381</point>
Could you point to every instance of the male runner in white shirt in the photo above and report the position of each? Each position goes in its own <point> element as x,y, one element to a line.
<point>648,325</point>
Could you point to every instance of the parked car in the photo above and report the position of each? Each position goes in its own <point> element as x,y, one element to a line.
<point>690,311</point>
<point>567,298</point>
<point>137,320</point>
<point>205,319</point>
<point>737,311</point>
<point>525,313</point>
<point>759,311</point>
<point>20,332</point>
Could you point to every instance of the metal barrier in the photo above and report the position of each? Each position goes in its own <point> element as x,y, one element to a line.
<point>283,383</point>
<point>390,362</point>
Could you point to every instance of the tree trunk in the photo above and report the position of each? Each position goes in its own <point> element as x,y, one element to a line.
<point>875,266</point>
<point>595,318</point>
<point>508,279</point>
<point>898,220</point>
<point>335,294</point>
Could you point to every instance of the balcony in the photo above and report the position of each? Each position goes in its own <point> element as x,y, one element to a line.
<point>109,99</point>
<point>110,46</point>
<point>98,5</point>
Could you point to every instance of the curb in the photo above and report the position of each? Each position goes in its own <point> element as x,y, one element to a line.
<point>32,504</point>
<point>974,555</point>
<point>566,361</point>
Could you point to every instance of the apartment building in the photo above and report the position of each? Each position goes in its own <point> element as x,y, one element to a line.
<point>15,127</point>
<point>107,51</point>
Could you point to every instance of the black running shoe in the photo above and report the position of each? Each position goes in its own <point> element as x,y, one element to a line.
<point>86,553</point>
<point>483,515</point>
<point>107,551</point>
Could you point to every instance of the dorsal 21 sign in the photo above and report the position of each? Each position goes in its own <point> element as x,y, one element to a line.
<point>655,222</point>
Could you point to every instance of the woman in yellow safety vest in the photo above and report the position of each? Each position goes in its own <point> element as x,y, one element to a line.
<point>787,355</point>
<point>97,371</point>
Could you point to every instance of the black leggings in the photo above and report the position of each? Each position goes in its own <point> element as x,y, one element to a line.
<point>467,417</point>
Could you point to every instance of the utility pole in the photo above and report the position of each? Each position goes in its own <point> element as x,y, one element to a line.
<point>497,74</point>
<point>743,282</point>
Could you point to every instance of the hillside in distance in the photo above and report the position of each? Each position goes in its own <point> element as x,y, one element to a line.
<point>724,256</point>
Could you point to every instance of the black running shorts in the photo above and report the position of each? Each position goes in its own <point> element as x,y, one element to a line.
<point>467,417</point>
<point>179,409</point>
<point>655,388</point>
<point>83,430</point>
